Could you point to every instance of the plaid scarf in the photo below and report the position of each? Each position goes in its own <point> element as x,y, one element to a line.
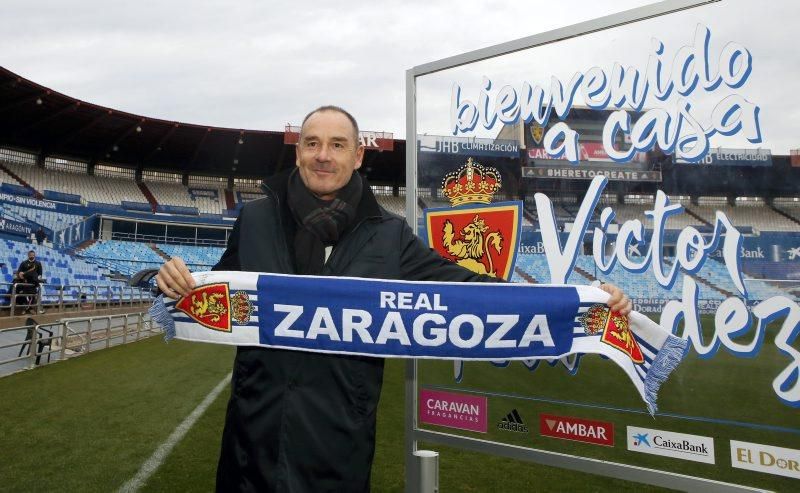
<point>321,222</point>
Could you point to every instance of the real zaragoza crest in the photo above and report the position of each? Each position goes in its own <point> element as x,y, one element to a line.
<point>209,306</point>
<point>614,330</point>
<point>213,307</point>
<point>475,233</point>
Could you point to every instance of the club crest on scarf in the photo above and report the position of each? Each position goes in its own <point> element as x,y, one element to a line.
<point>209,306</point>
<point>475,233</point>
<point>599,319</point>
<point>241,308</point>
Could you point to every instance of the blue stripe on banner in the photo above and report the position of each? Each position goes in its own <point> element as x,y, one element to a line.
<point>383,317</point>
<point>179,318</point>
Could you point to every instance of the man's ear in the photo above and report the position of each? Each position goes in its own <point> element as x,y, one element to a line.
<point>359,156</point>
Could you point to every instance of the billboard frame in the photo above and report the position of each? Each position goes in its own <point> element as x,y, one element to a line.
<point>413,434</point>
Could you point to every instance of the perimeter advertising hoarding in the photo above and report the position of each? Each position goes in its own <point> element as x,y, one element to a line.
<point>696,80</point>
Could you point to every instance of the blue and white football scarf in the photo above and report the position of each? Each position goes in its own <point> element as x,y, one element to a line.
<point>403,319</point>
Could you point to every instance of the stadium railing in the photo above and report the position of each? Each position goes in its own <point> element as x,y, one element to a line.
<point>66,297</point>
<point>27,346</point>
<point>142,238</point>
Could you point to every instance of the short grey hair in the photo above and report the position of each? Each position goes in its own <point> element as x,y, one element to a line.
<point>337,109</point>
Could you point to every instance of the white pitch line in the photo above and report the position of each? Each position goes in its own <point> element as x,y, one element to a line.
<point>154,462</point>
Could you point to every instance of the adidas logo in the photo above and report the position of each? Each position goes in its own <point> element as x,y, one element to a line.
<point>513,422</point>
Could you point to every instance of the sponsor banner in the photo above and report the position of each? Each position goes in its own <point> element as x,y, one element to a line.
<point>577,429</point>
<point>587,173</point>
<point>765,458</point>
<point>588,151</point>
<point>513,422</point>
<point>15,228</point>
<point>468,146</point>
<point>656,305</point>
<point>670,444</point>
<point>733,157</point>
<point>461,411</point>
<point>382,141</point>
<point>29,201</point>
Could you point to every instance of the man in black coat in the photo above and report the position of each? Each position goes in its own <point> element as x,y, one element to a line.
<point>299,421</point>
<point>31,270</point>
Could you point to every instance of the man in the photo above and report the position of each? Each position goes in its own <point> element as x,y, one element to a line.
<point>305,422</point>
<point>31,270</point>
<point>40,235</point>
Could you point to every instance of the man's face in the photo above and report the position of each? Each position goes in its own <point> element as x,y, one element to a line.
<point>327,153</point>
<point>31,256</point>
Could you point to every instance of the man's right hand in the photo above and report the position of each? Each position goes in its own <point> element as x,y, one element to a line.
<point>174,278</point>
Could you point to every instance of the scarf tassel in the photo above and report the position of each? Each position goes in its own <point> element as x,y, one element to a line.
<point>667,359</point>
<point>160,315</point>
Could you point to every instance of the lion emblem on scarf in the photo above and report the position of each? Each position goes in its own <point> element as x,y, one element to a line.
<point>209,306</point>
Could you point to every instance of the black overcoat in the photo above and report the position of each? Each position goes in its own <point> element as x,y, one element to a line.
<point>299,421</point>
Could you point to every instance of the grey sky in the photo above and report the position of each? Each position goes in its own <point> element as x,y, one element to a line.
<point>259,65</point>
<point>254,63</point>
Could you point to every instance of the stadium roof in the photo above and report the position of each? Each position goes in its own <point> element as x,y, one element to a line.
<point>34,117</point>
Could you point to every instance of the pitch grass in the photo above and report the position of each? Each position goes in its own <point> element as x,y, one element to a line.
<point>87,424</point>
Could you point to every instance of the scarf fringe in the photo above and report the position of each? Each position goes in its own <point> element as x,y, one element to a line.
<point>667,359</point>
<point>160,315</point>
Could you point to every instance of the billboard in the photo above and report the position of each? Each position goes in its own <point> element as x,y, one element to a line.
<point>462,146</point>
<point>379,141</point>
<point>735,157</point>
<point>602,108</point>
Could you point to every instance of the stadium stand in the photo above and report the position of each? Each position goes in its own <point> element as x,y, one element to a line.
<point>124,257</point>
<point>55,221</point>
<point>243,197</point>
<point>59,269</point>
<point>196,257</point>
<point>103,190</point>
<point>749,212</point>
<point>207,200</point>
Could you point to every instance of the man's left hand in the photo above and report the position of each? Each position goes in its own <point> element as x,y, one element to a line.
<point>618,302</point>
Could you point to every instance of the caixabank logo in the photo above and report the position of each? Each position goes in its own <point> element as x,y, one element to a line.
<point>669,444</point>
<point>513,422</point>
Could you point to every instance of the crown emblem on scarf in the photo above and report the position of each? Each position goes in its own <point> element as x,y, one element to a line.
<point>472,183</point>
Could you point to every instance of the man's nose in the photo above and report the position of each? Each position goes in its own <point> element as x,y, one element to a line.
<point>323,154</point>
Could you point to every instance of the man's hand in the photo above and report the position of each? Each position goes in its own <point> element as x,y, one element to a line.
<point>174,278</point>
<point>618,302</point>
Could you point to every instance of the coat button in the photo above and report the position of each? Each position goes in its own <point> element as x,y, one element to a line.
<point>292,385</point>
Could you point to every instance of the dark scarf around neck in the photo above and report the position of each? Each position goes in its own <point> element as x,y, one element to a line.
<point>320,222</point>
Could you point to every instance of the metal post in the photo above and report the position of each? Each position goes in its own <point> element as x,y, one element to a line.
<point>39,294</point>
<point>125,331</point>
<point>63,341</point>
<point>89,335</point>
<point>33,347</point>
<point>13,298</point>
<point>108,332</point>
<point>428,467</point>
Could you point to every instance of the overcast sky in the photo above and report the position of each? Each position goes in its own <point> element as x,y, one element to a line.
<point>255,63</point>
<point>258,64</point>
